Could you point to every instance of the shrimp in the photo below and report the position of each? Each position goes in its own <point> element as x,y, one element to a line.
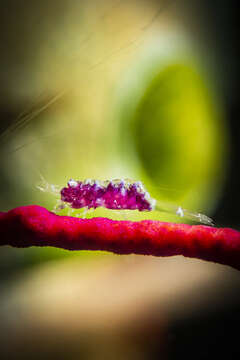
<point>115,194</point>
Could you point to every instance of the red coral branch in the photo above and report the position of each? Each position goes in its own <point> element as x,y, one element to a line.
<point>36,226</point>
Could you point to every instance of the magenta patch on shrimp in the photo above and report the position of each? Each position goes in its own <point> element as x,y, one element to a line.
<point>114,195</point>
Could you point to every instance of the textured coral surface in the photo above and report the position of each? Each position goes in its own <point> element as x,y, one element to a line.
<point>36,226</point>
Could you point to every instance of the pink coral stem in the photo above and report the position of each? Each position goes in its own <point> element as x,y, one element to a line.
<point>36,226</point>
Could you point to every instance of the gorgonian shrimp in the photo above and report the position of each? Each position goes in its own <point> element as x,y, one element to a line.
<point>116,194</point>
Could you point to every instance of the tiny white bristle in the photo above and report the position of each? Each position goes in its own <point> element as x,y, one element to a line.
<point>116,181</point>
<point>106,183</point>
<point>97,183</point>
<point>72,183</point>
<point>153,203</point>
<point>180,212</point>
<point>128,181</point>
<point>140,187</point>
<point>147,195</point>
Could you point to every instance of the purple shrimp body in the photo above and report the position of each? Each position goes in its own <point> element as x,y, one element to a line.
<point>114,194</point>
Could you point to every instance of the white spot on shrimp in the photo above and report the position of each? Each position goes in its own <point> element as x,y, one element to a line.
<point>97,183</point>
<point>147,196</point>
<point>106,183</point>
<point>153,203</point>
<point>72,183</point>
<point>180,212</point>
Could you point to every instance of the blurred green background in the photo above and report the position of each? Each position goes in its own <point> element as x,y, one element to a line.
<point>109,89</point>
<point>112,91</point>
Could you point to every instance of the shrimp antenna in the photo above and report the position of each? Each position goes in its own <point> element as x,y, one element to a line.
<point>45,186</point>
<point>183,213</point>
